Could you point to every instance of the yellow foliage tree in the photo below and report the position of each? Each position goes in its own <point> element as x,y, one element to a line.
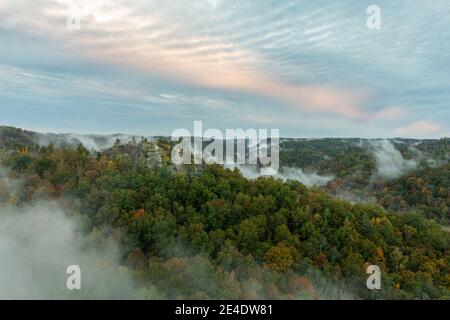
<point>279,258</point>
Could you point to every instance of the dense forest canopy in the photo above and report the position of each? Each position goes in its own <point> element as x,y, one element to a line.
<point>208,232</point>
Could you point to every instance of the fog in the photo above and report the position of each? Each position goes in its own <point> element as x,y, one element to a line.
<point>39,242</point>
<point>308,179</point>
<point>390,162</point>
<point>286,173</point>
<point>89,141</point>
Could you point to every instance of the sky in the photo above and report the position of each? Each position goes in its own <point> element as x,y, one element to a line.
<point>307,68</point>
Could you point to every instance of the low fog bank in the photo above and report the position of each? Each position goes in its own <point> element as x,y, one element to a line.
<point>309,179</point>
<point>38,243</point>
<point>390,162</point>
<point>89,141</point>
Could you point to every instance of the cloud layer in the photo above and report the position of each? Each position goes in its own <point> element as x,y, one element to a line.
<point>37,245</point>
<point>149,67</point>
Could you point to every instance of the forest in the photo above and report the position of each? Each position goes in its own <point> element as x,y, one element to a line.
<point>208,232</point>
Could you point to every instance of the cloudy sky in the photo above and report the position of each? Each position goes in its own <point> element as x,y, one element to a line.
<point>309,68</point>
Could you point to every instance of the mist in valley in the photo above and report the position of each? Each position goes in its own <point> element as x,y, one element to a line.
<point>39,242</point>
<point>390,162</point>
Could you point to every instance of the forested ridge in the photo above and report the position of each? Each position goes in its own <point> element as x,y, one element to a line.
<point>426,190</point>
<point>207,232</point>
<point>424,187</point>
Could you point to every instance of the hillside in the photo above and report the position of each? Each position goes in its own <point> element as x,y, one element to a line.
<point>212,233</point>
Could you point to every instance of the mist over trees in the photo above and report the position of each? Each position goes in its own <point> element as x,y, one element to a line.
<point>205,231</point>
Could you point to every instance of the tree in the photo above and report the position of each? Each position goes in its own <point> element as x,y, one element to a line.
<point>279,258</point>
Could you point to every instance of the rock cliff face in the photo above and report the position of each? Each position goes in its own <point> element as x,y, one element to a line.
<point>13,139</point>
<point>147,151</point>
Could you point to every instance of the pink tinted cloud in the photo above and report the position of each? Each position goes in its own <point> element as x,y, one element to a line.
<point>389,113</point>
<point>419,128</point>
<point>111,32</point>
